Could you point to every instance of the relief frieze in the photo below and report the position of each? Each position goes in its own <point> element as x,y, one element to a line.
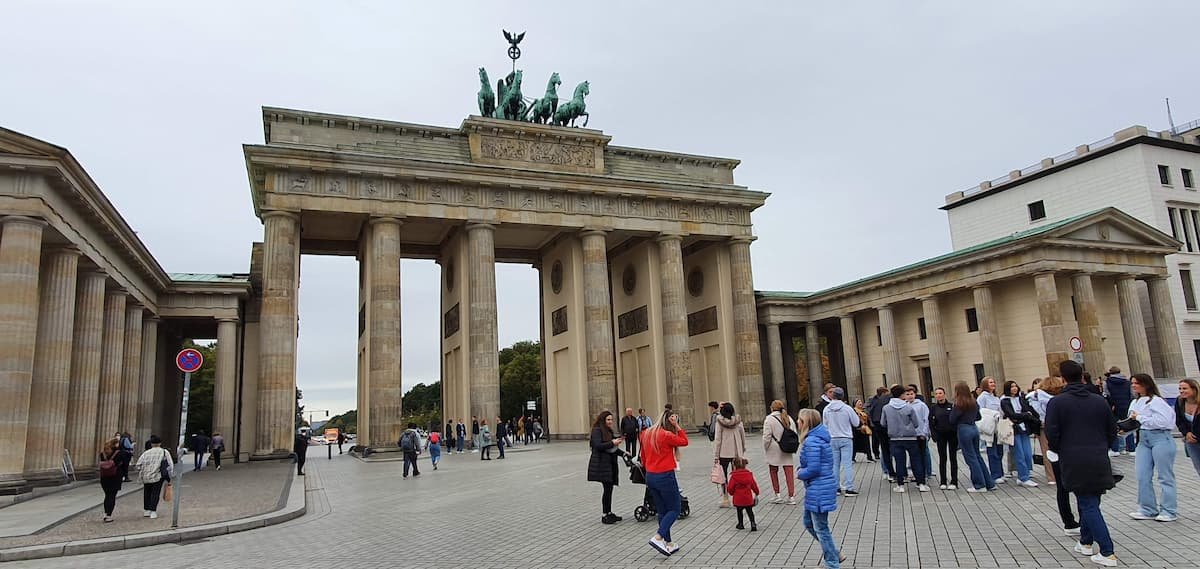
<point>518,150</point>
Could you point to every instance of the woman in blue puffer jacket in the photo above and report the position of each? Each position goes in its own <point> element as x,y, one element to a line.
<point>820,487</point>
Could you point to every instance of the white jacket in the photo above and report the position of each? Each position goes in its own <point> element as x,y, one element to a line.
<point>993,429</point>
<point>148,463</point>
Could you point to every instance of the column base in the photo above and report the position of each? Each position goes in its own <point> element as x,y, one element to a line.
<point>276,454</point>
<point>92,473</point>
<point>11,486</point>
<point>383,448</point>
<point>45,478</point>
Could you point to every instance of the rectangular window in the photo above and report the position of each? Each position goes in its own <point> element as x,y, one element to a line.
<point>972,320</point>
<point>1187,177</point>
<point>1164,175</point>
<point>1037,210</point>
<point>1189,294</point>
<point>1186,225</point>
<point>1195,220</point>
<point>879,335</point>
<point>921,328</point>
<point>978,373</point>
<point>1196,347</point>
<point>1171,216</point>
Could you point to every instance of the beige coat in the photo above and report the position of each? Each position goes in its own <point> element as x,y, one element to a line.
<point>730,439</point>
<point>772,430</point>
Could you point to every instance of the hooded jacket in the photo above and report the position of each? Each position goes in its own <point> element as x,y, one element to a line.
<point>840,419</point>
<point>939,419</point>
<point>901,420</point>
<point>816,470</point>
<point>730,439</point>
<point>1120,392</point>
<point>1081,428</point>
<point>875,408</point>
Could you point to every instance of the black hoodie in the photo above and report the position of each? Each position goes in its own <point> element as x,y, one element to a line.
<point>1081,428</point>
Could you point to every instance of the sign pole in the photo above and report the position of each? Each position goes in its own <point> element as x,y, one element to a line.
<point>187,360</point>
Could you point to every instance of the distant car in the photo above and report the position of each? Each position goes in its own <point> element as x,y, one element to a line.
<point>316,440</point>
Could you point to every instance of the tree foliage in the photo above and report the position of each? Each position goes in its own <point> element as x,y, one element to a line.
<point>200,398</point>
<point>520,377</point>
<point>346,422</point>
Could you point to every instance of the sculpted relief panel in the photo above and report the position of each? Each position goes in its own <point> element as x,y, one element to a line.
<point>519,150</point>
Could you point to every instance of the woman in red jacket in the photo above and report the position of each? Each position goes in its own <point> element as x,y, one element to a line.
<point>744,489</point>
<point>658,457</point>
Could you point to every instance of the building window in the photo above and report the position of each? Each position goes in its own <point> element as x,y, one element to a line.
<point>1196,347</point>
<point>978,373</point>
<point>1171,216</point>
<point>1037,210</point>
<point>1195,219</point>
<point>879,335</point>
<point>1164,175</point>
<point>1189,294</point>
<point>1187,177</point>
<point>972,320</point>
<point>921,328</point>
<point>1186,224</point>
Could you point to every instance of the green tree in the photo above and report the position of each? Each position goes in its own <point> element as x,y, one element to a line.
<point>520,377</point>
<point>347,422</point>
<point>300,421</point>
<point>200,398</point>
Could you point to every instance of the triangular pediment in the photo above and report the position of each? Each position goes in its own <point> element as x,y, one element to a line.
<point>13,142</point>
<point>1111,225</point>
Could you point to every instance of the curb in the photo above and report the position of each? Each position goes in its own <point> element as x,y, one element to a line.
<point>295,507</point>
<point>425,455</point>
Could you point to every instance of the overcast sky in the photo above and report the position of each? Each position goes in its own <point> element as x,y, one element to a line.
<point>858,117</point>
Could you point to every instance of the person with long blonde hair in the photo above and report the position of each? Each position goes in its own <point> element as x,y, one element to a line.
<point>1187,406</point>
<point>820,484</point>
<point>774,427</point>
<point>659,443</point>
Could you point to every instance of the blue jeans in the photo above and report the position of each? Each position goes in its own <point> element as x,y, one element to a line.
<point>907,448</point>
<point>1092,528</point>
<point>1022,451</point>
<point>843,462</point>
<point>461,440</point>
<point>817,524</point>
<point>1156,451</point>
<point>435,453</point>
<point>664,489</point>
<point>1193,452</point>
<point>500,445</point>
<point>995,455</point>
<point>1121,412</point>
<point>968,442</point>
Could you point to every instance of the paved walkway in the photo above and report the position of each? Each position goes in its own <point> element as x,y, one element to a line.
<point>535,510</point>
<point>237,491</point>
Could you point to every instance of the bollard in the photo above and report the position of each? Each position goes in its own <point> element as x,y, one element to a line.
<point>330,449</point>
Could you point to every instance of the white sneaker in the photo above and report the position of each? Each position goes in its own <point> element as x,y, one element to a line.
<point>108,519</point>
<point>777,499</point>
<point>1028,484</point>
<point>952,487</point>
<point>1109,561</point>
<point>154,515</point>
<point>1165,518</point>
<point>791,501</point>
<point>1113,453</point>
<point>672,548</point>
<point>977,490</point>
<point>1071,531</point>
<point>898,489</point>
<point>145,513</point>
<point>658,543</point>
<point>1000,480</point>
<point>922,488</point>
<point>941,487</point>
<point>1082,549</point>
<point>1140,516</point>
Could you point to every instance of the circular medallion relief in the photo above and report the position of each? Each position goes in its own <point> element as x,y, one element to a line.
<point>556,277</point>
<point>629,280</point>
<point>450,275</point>
<point>695,282</point>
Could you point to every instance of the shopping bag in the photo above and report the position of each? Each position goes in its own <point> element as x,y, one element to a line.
<point>717,476</point>
<point>168,493</point>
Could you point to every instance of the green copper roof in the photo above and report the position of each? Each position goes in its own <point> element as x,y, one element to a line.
<point>783,295</point>
<point>208,278</point>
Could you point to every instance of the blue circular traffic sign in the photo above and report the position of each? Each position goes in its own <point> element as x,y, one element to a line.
<point>189,360</point>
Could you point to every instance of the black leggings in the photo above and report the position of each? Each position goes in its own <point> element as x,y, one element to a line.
<point>749,512</point>
<point>1064,500</point>
<point>725,462</point>
<point>947,448</point>
<point>606,497</point>
<point>111,486</point>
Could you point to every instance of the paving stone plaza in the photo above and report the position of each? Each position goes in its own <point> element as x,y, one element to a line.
<point>535,510</point>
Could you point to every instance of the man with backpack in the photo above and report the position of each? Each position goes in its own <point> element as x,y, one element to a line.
<point>1120,396</point>
<point>410,445</point>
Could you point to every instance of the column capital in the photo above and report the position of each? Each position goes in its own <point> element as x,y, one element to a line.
<point>1044,272</point>
<point>395,219</point>
<point>480,224</point>
<point>1152,278</point>
<point>294,216</point>
<point>665,237</point>
<point>152,318</point>
<point>116,291</point>
<point>846,316</point>
<point>982,286</point>
<point>747,239</point>
<point>231,320</point>
<point>23,219</point>
<point>593,231</point>
<point>65,250</point>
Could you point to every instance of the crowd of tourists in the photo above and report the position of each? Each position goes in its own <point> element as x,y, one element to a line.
<point>1077,424</point>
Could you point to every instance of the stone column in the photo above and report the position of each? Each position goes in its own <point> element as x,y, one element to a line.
<point>775,353</point>
<point>84,393</point>
<point>131,365</point>
<point>939,360</point>
<point>597,324</point>
<point>812,356</point>
<point>1089,323</point>
<point>46,436</point>
<point>484,344</point>
<point>384,310</point>
<point>1163,314</point>
<point>149,377</point>
<point>20,257</point>
<point>989,333</point>
<point>112,358</point>
<point>674,325</point>
<point>278,328</point>
<point>1133,327</point>
<point>225,388</point>
<point>854,380</point>
<point>745,331</point>
<point>892,367</point>
<point>1054,340</point>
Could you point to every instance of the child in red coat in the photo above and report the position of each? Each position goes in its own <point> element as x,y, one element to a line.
<point>744,490</point>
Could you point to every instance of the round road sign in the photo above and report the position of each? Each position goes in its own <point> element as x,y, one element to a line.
<point>1076,344</point>
<point>189,360</point>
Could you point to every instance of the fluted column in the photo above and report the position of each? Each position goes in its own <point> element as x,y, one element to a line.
<point>278,328</point>
<point>484,344</point>
<point>674,326</point>
<point>745,331</point>
<point>854,380</point>
<point>989,333</point>
<point>597,324</point>
<point>1137,346</point>
<point>775,354</point>
<point>1163,314</point>
<point>384,318</point>
<point>149,376</point>
<point>939,361</point>
<point>1054,340</point>
<point>131,365</point>
<point>812,357</point>
<point>1089,323</point>
<point>891,350</point>
<point>84,393</point>
<point>20,255</point>
<point>51,368</point>
<point>112,358</point>
<point>225,392</point>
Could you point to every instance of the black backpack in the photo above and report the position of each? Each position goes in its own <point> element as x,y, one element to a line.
<point>408,442</point>
<point>789,442</point>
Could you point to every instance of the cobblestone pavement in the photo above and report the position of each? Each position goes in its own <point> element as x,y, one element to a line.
<point>535,510</point>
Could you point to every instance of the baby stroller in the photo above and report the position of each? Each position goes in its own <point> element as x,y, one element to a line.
<point>637,475</point>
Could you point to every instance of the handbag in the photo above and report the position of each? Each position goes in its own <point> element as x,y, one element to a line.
<point>108,468</point>
<point>1128,425</point>
<point>164,469</point>
<point>717,476</point>
<point>168,493</point>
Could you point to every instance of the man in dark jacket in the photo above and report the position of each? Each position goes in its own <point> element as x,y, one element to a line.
<point>879,439</point>
<point>1120,395</point>
<point>629,431</point>
<point>300,447</point>
<point>474,433</point>
<point>199,447</point>
<point>1079,431</point>
<point>501,435</point>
